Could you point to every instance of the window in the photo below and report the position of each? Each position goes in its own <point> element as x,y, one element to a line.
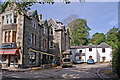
<point>90,49</point>
<point>32,23</point>
<point>32,58</point>
<point>9,36</point>
<point>35,25</point>
<point>51,31</point>
<point>14,36</point>
<point>80,51</point>
<point>15,19</point>
<point>50,44</point>
<point>34,39</point>
<point>7,20</point>
<point>31,38</point>
<point>103,49</point>
<point>44,43</point>
<point>10,17</point>
<point>6,37</point>
<point>45,30</point>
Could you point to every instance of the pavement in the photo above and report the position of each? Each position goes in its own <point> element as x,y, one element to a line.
<point>15,69</point>
<point>78,71</point>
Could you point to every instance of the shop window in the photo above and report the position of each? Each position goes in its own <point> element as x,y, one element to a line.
<point>32,58</point>
<point>4,58</point>
<point>90,49</point>
<point>51,57</point>
<point>103,49</point>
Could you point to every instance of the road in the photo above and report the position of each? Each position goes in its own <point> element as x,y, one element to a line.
<point>77,71</point>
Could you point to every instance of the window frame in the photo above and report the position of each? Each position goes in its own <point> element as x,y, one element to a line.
<point>103,50</point>
<point>45,30</point>
<point>90,49</point>
<point>51,47</point>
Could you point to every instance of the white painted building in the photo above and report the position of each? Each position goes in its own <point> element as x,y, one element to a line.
<point>99,53</point>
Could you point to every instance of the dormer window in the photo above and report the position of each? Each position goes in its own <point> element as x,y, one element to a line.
<point>51,31</point>
<point>33,24</point>
<point>45,30</point>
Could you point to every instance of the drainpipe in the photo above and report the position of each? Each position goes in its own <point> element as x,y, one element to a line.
<point>23,41</point>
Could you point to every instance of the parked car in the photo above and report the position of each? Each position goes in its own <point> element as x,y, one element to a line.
<point>67,62</point>
<point>90,61</point>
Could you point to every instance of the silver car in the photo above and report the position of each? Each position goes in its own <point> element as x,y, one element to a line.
<point>67,62</point>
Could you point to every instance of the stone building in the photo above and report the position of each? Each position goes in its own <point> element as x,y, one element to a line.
<point>27,40</point>
<point>20,39</point>
<point>61,39</point>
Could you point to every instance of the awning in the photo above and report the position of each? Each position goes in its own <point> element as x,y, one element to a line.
<point>9,51</point>
<point>67,52</point>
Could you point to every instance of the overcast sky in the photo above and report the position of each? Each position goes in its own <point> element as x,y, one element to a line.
<point>100,16</point>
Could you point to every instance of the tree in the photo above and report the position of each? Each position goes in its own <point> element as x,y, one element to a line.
<point>70,18</point>
<point>116,58</point>
<point>97,38</point>
<point>26,4</point>
<point>79,32</point>
<point>112,39</point>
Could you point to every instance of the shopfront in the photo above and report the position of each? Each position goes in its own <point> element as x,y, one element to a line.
<point>9,57</point>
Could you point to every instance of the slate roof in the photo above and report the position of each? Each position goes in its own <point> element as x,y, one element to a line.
<point>30,13</point>
<point>41,22</point>
<point>78,47</point>
<point>102,45</point>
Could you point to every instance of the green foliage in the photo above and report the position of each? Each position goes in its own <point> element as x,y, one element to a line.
<point>112,38</point>
<point>116,57</point>
<point>79,32</point>
<point>97,38</point>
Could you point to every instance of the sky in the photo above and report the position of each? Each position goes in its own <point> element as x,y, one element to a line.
<point>100,16</point>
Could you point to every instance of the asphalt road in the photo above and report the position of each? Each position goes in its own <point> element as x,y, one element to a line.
<point>78,71</point>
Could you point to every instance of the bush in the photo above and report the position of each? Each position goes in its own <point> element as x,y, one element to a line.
<point>116,58</point>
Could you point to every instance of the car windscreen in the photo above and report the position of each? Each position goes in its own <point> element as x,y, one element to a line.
<point>66,60</point>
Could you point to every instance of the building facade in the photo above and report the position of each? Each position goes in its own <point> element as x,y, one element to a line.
<point>27,40</point>
<point>100,53</point>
